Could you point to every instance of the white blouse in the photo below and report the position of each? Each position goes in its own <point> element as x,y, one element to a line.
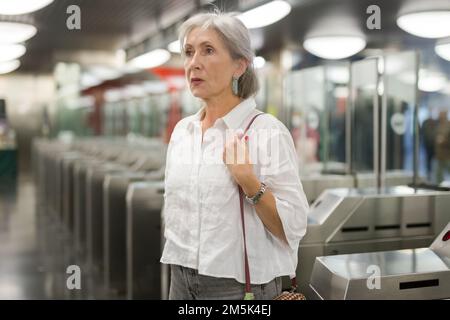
<point>202,219</point>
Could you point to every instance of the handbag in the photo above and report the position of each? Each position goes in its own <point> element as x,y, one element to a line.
<point>292,294</point>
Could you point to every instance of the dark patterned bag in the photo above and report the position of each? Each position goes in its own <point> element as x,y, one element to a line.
<point>291,294</point>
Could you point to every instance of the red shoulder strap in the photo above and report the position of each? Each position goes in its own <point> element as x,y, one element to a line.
<point>248,289</point>
<point>241,203</point>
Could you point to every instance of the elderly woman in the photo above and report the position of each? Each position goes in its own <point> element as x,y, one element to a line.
<point>208,159</point>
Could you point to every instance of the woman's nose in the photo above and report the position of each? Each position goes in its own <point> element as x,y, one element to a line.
<point>194,62</point>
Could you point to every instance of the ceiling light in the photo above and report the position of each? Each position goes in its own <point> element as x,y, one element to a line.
<point>265,15</point>
<point>174,46</point>
<point>9,66</point>
<point>259,62</point>
<point>442,49</point>
<point>150,59</point>
<point>431,81</point>
<point>446,90</point>
<point>9,7</point>
<point>12,32</point>
<point>334,47</point>
<point>105,73</point>
<point>11,51</point>
<point>426,24</point>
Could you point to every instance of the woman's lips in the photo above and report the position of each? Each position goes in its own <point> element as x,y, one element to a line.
<point>196,81</point>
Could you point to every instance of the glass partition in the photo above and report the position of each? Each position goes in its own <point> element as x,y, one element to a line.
<point>317,99</point>
<point>364,105</point>
<point>305,100</point>
<point>399,102</point>
<point>335,129</point>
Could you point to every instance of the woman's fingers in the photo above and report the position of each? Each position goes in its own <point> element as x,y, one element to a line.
<point>235,151</point>
<point>229,151</point>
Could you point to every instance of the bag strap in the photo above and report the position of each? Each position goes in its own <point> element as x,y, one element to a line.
<point>248,289</point>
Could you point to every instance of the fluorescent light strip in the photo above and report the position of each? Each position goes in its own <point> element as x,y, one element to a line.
<point>150,59</point>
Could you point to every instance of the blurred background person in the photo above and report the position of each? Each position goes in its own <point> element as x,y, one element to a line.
<point>429,127</point>
<point>442,146</point>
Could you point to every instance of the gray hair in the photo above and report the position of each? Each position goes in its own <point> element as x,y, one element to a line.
<point>236,38</point>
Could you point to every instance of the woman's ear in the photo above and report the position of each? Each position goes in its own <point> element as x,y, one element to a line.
<point>242,65</point>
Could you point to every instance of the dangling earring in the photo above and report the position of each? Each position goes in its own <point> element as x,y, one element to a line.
<point>234,85</point>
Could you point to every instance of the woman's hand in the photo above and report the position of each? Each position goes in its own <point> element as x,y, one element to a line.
<point>236,157</point>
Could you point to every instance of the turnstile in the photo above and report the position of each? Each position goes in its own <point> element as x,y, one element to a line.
<point>79,203</point>
<point>422,273</point>
<point>361,220</point>
<point>314,185</point>
<point>115,187</point>
<point>94,212</point>
<point>147,278</point>
<point>71,182</point>
<point>114,230</point>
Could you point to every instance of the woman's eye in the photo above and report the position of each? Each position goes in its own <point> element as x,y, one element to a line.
<point>209,50</point>
<point>188,53</point>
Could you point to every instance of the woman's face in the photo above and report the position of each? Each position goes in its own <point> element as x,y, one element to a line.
<point>208,65</point>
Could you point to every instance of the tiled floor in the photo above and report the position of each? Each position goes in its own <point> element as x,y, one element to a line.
<point>22,274</point>
<point>33,252</point>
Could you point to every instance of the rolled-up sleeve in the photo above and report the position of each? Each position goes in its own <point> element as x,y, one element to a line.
<point>280,173</point>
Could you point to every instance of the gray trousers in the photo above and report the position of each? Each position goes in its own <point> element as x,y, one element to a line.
<point>187,284</point>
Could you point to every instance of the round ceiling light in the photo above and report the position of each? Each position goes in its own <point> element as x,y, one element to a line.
<point>8,7</point>
<point>334,47</point>
<point>265,15</point>
<point>9,66</point>
<point>431,81</point>
<point>442,49</point>
<point>426,24</point>
<point>11,51</point>
<point>259,62</point>
<point>13,32</point>
<point>174,46</point>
